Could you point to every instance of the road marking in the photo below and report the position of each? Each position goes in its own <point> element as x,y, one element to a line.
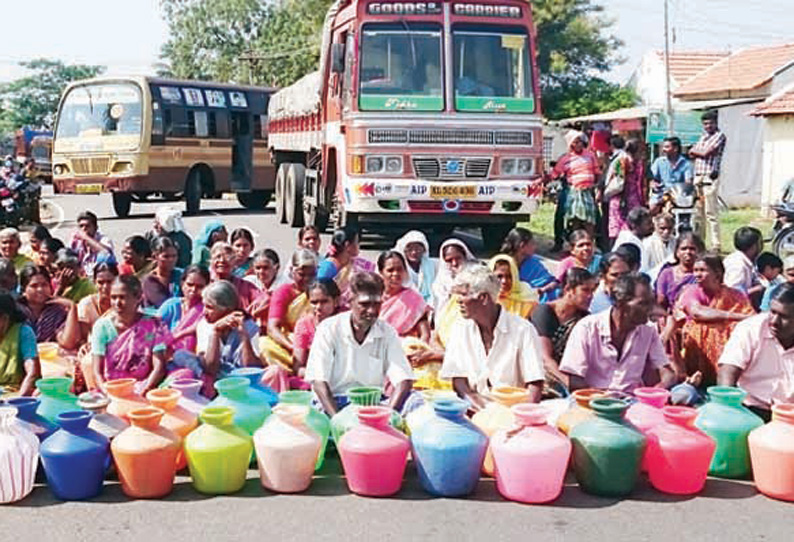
<point>59,211</point>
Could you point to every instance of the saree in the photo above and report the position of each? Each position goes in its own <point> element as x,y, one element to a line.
<point>12,370</point>
<point>129,354</point>
<point>404,310</point>
<point>442,286</point>
<point>669,283</point>
<point>521,299</point>
<point>422,279</point>
<point>49,323</point>
<point>702,343</point>
<point>155,293</point>
<point>186,320</point>
<point>273,352</point>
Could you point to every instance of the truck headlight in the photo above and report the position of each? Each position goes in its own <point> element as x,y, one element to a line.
<point>508,166</point>
<point>394,164</point>
<point>526,166</point>
<point>374,164</point>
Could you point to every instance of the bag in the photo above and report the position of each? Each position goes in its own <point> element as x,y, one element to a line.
<point>616,179</point>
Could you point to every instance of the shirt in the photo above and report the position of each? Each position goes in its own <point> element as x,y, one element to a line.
<point>580,170</point>
<point>88,258</point>
<point>739,272</point>
<point>337,358</point>
<point>712,146</point>
<point>658,252</point>
<point>767,369</point>
<point>591,355</point>
<point>515,358</point>
<point>667,173</point>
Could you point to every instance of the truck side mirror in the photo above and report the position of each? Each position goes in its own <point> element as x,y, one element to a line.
<point>337,58</point>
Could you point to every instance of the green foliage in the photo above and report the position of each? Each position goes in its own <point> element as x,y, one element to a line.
<point>592,95</point>
<point>33,99</point>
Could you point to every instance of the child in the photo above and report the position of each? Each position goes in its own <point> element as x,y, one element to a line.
<point>770,269</point>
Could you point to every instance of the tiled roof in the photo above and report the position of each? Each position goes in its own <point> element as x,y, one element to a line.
<point>780,104</point>
<point>744,70</point>
<point>684,65</point>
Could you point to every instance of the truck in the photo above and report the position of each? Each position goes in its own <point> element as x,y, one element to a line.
<point>422,114</point>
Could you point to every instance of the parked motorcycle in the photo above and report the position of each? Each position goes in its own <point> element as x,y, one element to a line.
<point>679,201</point>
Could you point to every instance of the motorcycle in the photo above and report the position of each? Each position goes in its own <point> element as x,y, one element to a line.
<point>9,210</point>
<point>783,229</point>
<point>679,201</point>
<point>19,201</point>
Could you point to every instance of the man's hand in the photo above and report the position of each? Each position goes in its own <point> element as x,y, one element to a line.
<point>714,175</point>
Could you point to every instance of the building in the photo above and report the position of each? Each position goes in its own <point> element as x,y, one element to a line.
<point>777,113</point>
<point>649,79</point>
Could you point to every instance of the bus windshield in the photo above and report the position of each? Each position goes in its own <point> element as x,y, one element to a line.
<point>493,72</point>
<point>102,117</point>
<point>401,68</point>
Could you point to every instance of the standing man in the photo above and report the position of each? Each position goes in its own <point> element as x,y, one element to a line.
<point>707,154</point>
<point>669,169</point>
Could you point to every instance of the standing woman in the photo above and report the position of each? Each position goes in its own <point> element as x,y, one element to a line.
<point>54,319</point>
<point>125,343</point>
<point>583,255</point>
<point>520,245</point>
<point>421,269</point>
<point>213,232</point>
<point>19,357</point>
<point>515,297</point>
<point>287,304</point>
<point>163,281</point>
<point>243,244</point>
<point>628,165</point>
<point>674,278</point>
<point>403,308</point>
<point>580,167</point>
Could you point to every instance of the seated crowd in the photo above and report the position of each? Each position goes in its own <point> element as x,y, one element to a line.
<point>656,311</point>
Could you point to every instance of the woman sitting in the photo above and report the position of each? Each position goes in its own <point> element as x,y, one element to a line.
<point>403,308</point>
<point>554,321</point>
<point>68,281</point>
<point>48,253</point>
<point>707,312</point>
<point>672,279</point>
<point>343,261</point>
<point>19,358</point>
<point>455,256</point>
<point>243,244</point>
<point>182,314</point>
<point>583,255</point>
<point>163,281</point>
<point>213,232</point>
<point>613,266</point>
<point>287,304</point>
<point>226,338</point>
<point>54,319</point>
<point>514,296</point>
<point>520,245</point>
<point>136,257</point>
<point>168,223</point>
<point>266,267</point>
<point>125,343</point>
<point>222,267</point>
<point>91,309</point>
<point>421,269</point>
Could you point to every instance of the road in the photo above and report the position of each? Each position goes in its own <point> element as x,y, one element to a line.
<point>728,510</point>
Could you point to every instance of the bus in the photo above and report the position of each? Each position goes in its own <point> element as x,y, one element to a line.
<point>145,138</point>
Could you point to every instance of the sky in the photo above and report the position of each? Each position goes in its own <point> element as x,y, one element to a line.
<point>126,35</point>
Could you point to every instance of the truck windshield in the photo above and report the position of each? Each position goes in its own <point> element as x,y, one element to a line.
<point>101,117</point>
<point>401,68</point>
<point>493,72</point>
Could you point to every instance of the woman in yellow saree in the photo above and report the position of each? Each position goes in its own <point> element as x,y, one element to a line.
<point>289,302</point>
<point>515,296</point>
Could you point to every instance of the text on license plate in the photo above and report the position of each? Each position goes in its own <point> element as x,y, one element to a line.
<point>453,191</point>
<point>94,188</point>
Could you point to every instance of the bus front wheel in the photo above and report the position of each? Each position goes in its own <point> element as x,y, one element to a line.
<point>193,193</point>
<point>122,203</point>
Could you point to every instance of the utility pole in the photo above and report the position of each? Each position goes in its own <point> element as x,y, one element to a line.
<point>668,95</point>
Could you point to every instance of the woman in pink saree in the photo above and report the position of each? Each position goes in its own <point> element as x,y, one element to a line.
<point>127,344</point>
<point>182,314</point>
<point>403,307</point>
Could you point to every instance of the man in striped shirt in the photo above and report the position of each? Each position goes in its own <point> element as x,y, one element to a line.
<point>707,154</point>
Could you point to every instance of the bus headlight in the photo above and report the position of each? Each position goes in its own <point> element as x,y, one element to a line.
<point>122,167</point>
<point>59,169</point>
<point>388,165</point>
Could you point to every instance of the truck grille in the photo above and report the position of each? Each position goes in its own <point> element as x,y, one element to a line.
<point>91,166</point>
<point>456,168</point>
<point>514,138</point>
<point>387,136</point>
<point>449,137</point>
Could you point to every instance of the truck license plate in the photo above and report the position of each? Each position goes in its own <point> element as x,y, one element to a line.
<point>94,188</point>
<point>453,192</point>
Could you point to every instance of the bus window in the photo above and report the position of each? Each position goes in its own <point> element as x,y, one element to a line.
<point>190,125</point>
<point>212,124</point>
<point>222,122</point>
<point>259,124</point>
<point>200,127</point>
<point>168,126</point>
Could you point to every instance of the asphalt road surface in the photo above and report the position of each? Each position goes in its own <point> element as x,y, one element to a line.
<point>725,510</point>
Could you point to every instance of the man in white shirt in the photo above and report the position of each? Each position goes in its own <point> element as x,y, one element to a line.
<point>740,270</point>
<point>759,355</point>
<point>355,349</point>
<point>640,226</point>
<point>489,346</point>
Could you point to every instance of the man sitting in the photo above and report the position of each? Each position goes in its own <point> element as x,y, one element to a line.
<point>615,349</point>
<point>490,346</point>
<point>355,349</point>
<point>759,355</point>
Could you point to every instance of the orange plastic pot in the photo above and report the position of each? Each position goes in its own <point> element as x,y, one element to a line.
<point>772,454</point>
<point>497,416</point>
<point>145,455</point>
<point>176,418</point>
<point>123,397</point>
<point>580,409</point>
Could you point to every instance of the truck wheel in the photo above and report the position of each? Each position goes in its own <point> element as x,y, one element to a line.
<point>193,193</point>
<point>314,216</point>
<point>294,195</point>
<point>493,235</point>
<point>281,183</point>
<point>122,203</point>
<point>255,200</point>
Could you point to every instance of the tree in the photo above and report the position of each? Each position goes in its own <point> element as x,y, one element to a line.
<point>33,99</point>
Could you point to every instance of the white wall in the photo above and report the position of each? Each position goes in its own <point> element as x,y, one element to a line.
<point>778,156</point>
<point>741,178</point>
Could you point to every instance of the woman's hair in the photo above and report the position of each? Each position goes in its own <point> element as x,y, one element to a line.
<point>306,229</point>
<point>515,238</point>
<point>328,287</point>
<point>199,270</point>
<point>388,255</point>
<point>222,294</point>
<point>714,262</point>
<point>8,307</point>
<point>242,233</point>
<point>692,237</point>
<point>342,236</point>
<point>53,245</point>
<point>267,254</point>
<point>303,258</point>
<point>633,146</point>
<point>575,277</point>
<point>67,257</point>
<point>105,267</point>
<point>578,235</point>
<point>139,245</point>
<point>131,283</point>
<point>221,247</point>
<point>609,260</point>
<point>29,271</point>
<point>40,233</point>
<point>162,243</point>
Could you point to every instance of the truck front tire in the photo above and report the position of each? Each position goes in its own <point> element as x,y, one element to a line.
<point>294,195</point>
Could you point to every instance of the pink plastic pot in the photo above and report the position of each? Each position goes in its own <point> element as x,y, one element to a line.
<point>647,412</point>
